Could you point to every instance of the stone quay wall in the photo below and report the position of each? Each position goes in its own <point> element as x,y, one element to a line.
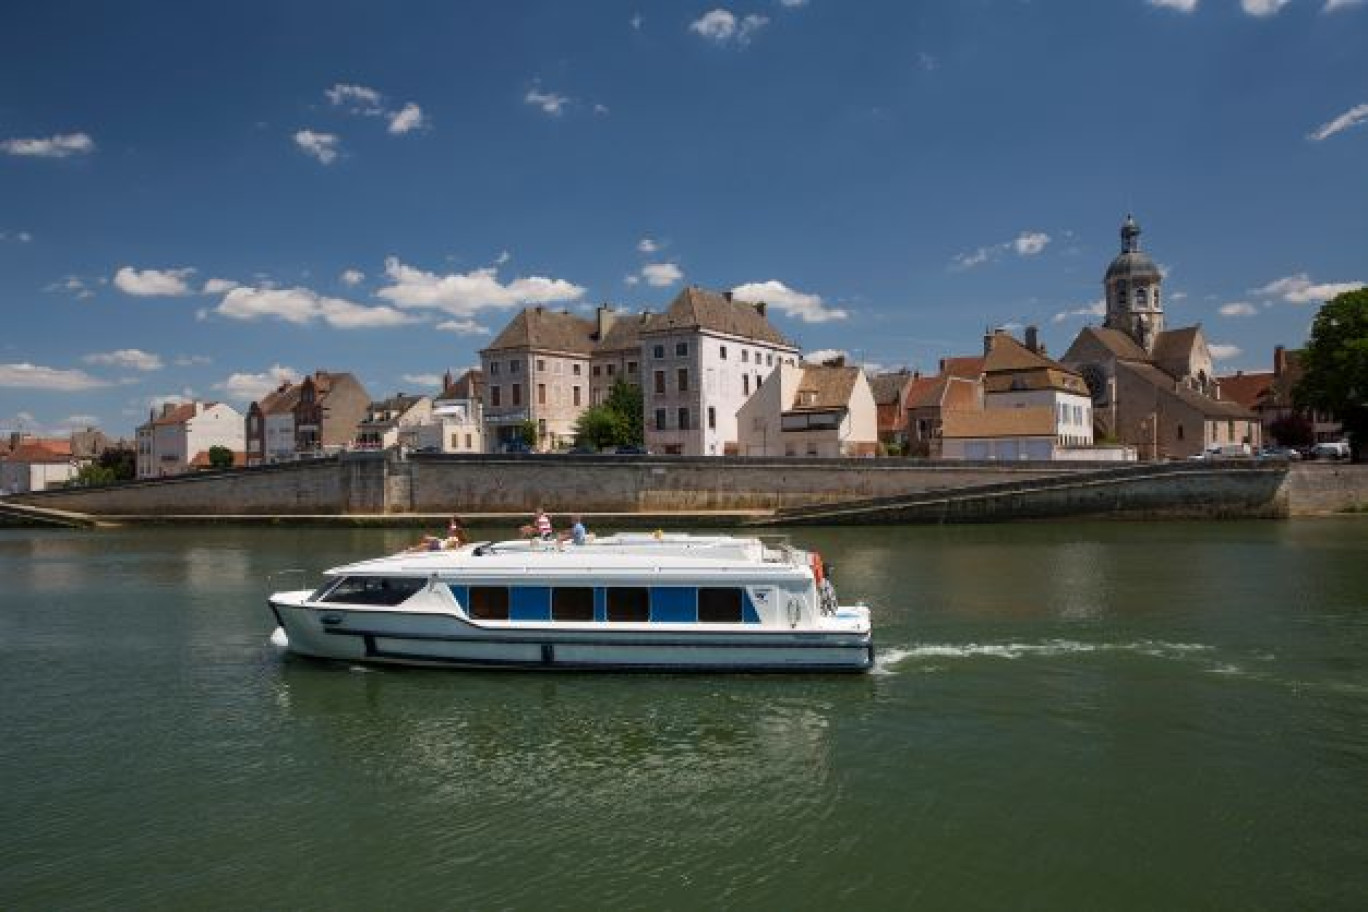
<point>378,484</point>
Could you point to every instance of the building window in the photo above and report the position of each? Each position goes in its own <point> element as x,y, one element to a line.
<point>467,446</point>
<point>517,394</point>
<point>660,383</point>
<point>493,368</point>
<point>631,367</point>
<point>683,379</point>
<point>541,428</point>
<point>745,356</point>
<point>683,419</point>
<point>575,369</point>
<point>541,365</point>
<point>745,384</point>
<point>712,418</point>
<point>1180,432</point>
<point>681,349</point>
<point>541,394</point>
<point>758,380</point>
<point>576,390</point>
<point>722,353</point>
<point>660,420</point>
<point>597,370</point>
<point>658,351</point>
<point>610,370</point>
<point>494,396</point>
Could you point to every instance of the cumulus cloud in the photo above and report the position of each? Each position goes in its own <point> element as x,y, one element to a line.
<point>408,118</point>
<point>1183,6</point>
<point>1356,115</point>
<point>647,245</point>
<point>1299,289</point>
<point>422,379</point>
<point>1097,308</point>
<point>34,376</point>
<point>463,327</point>
<point>153,283</point>
<point>303,305</point>
<point>826,354</point>
<point>722,26</point>
<point>323,146</point>
<point>218,286</point>
<point>1237,309</point>
<point>806,307</point>
<point>1221,352</point>
<point>245,387</point>
<point>1332,5</point>
<point>129,358</point>
<point>465,294</point>
<point>352,277</point>
<point>74,285</point>
<point>1025,244</point>
<point>1262,8</point>
<point>59,146</point>
<point>660,275</point>
<point>357,99</point>
<point>550,102</point>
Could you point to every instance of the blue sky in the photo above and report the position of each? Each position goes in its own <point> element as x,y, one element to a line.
<point>197,199</point>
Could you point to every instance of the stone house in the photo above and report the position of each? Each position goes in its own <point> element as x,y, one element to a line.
<point>328,412</point>
<point>537,370</point>
<point>807,410</point>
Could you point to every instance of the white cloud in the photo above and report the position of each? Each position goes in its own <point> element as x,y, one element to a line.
<point>659,275</point>
<point>600,109</point>
<point>33,376</point>
<point>59,146</point>
<point>1332,5</point>
<point>80,421</point>
<point>1030,243</point>
<point>722,26</point>
<point>358,99</point>
<point>1350,118</point>
<point>1097,308</point>
<point>153,283</point>
<point>463,327</point>
<point>352,277</point>
<point>826,354</point>
<point>1299,289</point>
<point>550,102</point>
<point>1221,352</point>
<point>970,260</point>
<point>422,379</point>
<point>19,237</point>
<point>465,294</point>
<point>218,286</point>
<point>74,285</point>
<point>807,307</point>
<point>1262,7</point>
<point>632,280</point>
<point>244,387</point>
<point>302,305</point>
<point>157,401</point>
<point>409,118</point>
<point>793,4</point>
<point>646,245</point>
<point>322,146</point>
<point>1237,309</point>
<point>129,358</point>
<point>1183,6</point>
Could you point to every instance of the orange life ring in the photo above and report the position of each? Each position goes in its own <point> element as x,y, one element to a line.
<point>817,570</point>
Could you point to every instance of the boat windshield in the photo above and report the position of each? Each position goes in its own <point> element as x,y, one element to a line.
<point>369,590</point>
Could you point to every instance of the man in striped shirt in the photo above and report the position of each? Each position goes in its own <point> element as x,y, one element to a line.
<point>542,524</point>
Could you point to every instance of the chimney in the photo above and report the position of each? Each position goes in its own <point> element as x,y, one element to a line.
<point>727,295</point>
<point>760,307</point>
<point>988,342</point>
<point>168,408</point>
<point>1279,361</point>
<point>1033,339</point>
<point>606,318</point>
<point>916,375</point>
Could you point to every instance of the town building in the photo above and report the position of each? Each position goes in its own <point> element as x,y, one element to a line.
<point>394,422</point>
<point>173,437</point>
<point>328,412</point>
<point>957,387</point>
<point>270,435</point>
<point>30,463</point>
<point>1268,394</point>
<point>616,353</point>
<point>810,410</point>
<point>456,424</point>
<point>537,371</point>
<point>702,359</point>
<point>1151,387</point>
<point>890,397</point>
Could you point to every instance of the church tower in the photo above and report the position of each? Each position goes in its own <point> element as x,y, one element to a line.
<point>1132,284</point>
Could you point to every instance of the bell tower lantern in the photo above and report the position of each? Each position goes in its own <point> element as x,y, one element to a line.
<point>1132,284</point>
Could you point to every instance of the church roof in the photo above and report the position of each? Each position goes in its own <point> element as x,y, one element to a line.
<point>1010,365</point>
<point>1134,264</point>
<point>1114,341</point>
<point>1176,344</point>
<point>1165,385</point>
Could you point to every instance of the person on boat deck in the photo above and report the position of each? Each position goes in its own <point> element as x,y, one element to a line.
<point>428,543</point>
<point>542,526</point>
<point>578,535</point>
<point>456,533</point>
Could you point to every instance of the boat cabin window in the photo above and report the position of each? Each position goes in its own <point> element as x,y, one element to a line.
<point>374,590</point>
<point>488,603</point>
<point>719,606</point>
<point>628,604</point>
<point>572,604</point>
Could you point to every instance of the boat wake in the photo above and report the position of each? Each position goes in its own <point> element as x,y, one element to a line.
<point>934,655</point>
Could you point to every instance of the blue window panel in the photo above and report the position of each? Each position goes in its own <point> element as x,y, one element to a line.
<point>674,605</point>
<point>600,604</point>
<point>462,596</point>
<point>748,613</point>
<point>529,603</point>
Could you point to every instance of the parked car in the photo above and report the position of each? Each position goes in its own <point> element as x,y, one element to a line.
<point>1338,449</point>
<point>1227,451</point>
<point>1279,452</point>
<point>518,447</point>
<point>581,451</point>
<point>632,450</point>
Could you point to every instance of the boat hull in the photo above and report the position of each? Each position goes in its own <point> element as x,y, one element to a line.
<point>444,640</point>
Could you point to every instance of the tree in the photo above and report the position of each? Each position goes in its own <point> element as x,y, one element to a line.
<point>220,457</point>
<point>625,399</point>
<point>122,463</point>
<point>1335,364</point>
<point>1292,431</point>
<point>92,474</point>
<point>527,431</point>
<point>616,422</point>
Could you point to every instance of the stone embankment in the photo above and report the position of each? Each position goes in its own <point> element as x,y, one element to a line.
<point>378,487</point>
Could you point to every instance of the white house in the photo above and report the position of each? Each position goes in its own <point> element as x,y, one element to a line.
<point>35,464</point>
<point>456,424</point>
<point>807,410</point>
<point>169,442</point>
<point>701,360</point>
<point>271,426</point>
<point>393,421</point>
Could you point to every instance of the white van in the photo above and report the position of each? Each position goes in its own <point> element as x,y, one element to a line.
<point>1228,451</point>
<point>1338,449</point>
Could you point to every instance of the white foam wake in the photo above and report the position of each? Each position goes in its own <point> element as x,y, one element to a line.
<point>888,659</point>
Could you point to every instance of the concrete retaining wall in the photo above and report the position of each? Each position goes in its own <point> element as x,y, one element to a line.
<point>1326,487</point>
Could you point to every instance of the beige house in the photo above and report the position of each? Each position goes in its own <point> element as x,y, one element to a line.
<point>537,370</point>
<point>999,434</point>
<point>929,399</point>
<point>1019,376</point>
<point>330,408</point>
<point>393,422</point>
<point>616,353</point>
<point>807,410</point>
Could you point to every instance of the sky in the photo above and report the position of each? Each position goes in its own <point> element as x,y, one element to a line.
<point>200,200</point>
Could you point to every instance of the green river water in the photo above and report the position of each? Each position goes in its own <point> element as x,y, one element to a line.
<point>1063,716</point>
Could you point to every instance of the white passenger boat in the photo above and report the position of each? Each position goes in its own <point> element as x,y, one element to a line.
<point>652,602</point>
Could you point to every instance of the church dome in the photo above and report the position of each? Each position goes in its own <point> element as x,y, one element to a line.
<point>1132,263</point>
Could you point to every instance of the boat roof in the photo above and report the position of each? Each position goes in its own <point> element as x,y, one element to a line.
<point>624,552</point>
